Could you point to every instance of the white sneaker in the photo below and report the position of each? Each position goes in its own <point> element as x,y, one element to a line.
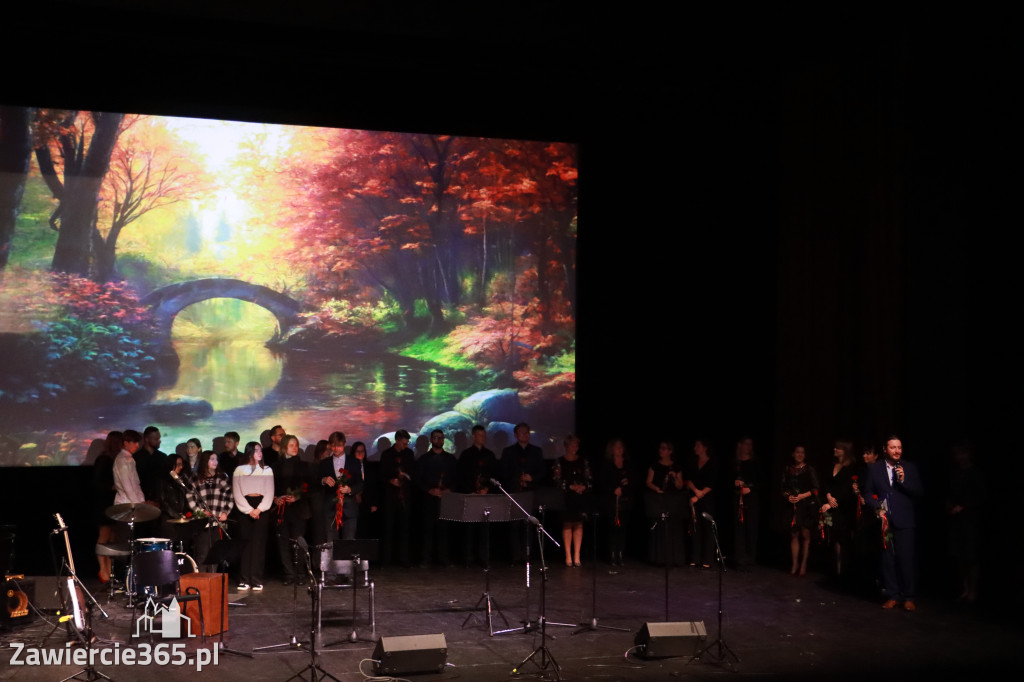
<point>243,587</point>
<point>257,588</point>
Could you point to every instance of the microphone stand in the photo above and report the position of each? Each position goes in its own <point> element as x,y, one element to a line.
<point>294,641</point>
<point>546,659</point>
<point>723,649</point>
<point>593,624</point>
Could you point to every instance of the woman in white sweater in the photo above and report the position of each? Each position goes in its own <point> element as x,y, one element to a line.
<point>252,485</point>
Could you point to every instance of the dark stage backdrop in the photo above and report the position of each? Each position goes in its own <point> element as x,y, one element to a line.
<point>795,237</point>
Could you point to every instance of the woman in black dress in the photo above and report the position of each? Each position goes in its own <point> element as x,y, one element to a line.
<point>747,488</point>
<point>800,490</point>
<point>840,506</point>
<point>700,480</point>
<point>619,487</point>
<point>665,480</point>
<point>572,474</point>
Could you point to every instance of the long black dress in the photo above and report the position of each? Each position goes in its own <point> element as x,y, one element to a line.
<point>617,508</point>
<point>840,486</point>
<point>747,510</point>
<point>666,540</point>
<point>703,538</point>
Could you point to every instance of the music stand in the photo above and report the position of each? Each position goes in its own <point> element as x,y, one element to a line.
<point>355,555</point>
<point>474,508</point>
<point>663,507</point>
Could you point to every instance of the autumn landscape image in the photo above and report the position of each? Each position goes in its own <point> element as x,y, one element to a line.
<point>207,275</point>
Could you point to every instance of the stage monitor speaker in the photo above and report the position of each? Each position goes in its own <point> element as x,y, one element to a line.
<point>410,654</point>
<point>663,640</point>
<point>18,594</point>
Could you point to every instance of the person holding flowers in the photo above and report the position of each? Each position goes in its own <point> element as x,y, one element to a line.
<point>292,478</point>
<point>341,477</point>
<point>838,513</point>
<point>800,491</point>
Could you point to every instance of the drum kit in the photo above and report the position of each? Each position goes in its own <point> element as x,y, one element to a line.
<point>132,513</point>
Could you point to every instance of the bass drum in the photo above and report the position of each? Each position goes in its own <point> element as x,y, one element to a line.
<point>186,564</point>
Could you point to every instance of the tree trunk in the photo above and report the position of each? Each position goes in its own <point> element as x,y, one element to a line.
<point>15,154</point>
<point>81,196</point>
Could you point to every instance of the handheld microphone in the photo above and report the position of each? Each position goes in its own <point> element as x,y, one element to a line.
<point>494,482</point>
<point>708,517</point>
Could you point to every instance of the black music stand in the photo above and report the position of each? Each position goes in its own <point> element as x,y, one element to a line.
<point>663,507</point>
<point>474,508</point>
<point>355,555</point>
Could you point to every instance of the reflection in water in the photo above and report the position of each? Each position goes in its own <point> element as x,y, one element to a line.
<point>224,360</point>
<point>227,373</point>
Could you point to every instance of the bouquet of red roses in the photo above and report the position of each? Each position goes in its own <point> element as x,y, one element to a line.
<point>343,481</point>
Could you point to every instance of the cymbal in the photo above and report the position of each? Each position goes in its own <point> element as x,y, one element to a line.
<point>181,520</point>
<point>130,511</point>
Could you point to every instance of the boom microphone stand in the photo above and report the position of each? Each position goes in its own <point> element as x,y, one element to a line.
<point>723,649</point>
<point>546,659</point>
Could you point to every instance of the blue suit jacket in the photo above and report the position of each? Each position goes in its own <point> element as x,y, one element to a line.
<point>901,496</point>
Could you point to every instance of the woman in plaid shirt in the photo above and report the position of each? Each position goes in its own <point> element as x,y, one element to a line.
<point>212,497</point>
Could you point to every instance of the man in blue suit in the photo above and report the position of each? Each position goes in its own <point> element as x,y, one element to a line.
<point>892,488</point>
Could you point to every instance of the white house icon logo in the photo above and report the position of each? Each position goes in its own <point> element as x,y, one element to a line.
<point>170,623</point>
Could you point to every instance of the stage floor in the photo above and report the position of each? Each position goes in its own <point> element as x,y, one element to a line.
<point>778,626</point>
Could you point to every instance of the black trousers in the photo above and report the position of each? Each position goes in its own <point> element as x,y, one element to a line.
<point>253,532</point>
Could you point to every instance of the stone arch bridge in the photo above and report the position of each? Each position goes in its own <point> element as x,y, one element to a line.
<point>166,302</point>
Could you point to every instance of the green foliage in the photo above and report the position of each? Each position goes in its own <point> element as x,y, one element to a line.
<point>435,350</point>
<point>34,241</point>
<point>564,362</point>
<point>83,356</point>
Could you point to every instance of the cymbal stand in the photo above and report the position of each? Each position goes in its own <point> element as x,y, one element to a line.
<point>593,624</point>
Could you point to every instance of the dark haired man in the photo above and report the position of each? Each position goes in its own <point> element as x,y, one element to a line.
<point>272,452</point>
<point>891,489</point>
<point>229,459</point>
<point>436,476</point>
<point>150,462</point>
<point>522,468</point>
<point>477,466</point>
<point>396,471</point>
